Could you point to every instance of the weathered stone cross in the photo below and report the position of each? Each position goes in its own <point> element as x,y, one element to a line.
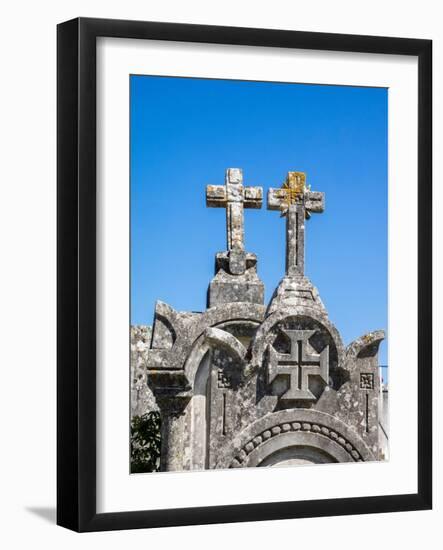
<point>234,197</point>
<point>299,365</point>
<point>295,201</point>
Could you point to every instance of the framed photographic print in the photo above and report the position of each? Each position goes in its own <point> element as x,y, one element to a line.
<point>244,274</point>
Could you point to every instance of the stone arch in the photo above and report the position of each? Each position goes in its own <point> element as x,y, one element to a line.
<point>191,352</point>
<point>197,370</point>
<point>264,335</point>
<point>199,413</point>
<point>296,441</point>
<point>272,337</point>
<point>296,455</point>
<point>296,429</point>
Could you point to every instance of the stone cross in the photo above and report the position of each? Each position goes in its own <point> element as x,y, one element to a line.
<point>299,365</point>
<point>234,197</point>
<point>295,201</point>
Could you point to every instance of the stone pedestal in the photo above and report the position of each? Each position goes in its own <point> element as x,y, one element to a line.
<point>226,287</point>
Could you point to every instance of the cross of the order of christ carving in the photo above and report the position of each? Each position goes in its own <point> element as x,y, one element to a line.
<point>299,365</point>
<point>295,201</point>
<point>234,197</point>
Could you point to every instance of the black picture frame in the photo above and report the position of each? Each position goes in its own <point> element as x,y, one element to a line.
<point>76,266</point>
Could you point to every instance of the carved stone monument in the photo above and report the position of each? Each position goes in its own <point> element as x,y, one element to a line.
<point>242,384</point>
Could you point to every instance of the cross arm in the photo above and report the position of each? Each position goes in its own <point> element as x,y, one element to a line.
<point>216,196</point>
<point>275,198</point>
<point>315,201</point>
<point>253,197</point>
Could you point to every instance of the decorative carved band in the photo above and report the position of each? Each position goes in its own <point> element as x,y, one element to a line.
<point>286,427</point>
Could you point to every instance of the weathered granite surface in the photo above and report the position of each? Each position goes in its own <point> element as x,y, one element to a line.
<point>236,278</point>
<point>242,384</point>
<point>227,287</point>
<point>142,399</point>
<point>234,197</point>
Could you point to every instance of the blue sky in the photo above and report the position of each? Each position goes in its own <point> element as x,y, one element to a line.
<point>184,134</point>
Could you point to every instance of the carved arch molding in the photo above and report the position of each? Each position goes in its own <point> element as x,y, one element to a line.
<point>295,429</point>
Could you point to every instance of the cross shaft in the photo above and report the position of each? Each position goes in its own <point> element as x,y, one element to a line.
<point>295,201</point>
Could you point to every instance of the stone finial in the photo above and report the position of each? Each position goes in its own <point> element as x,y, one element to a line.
<point>234,197</point>
<point>296,201</point>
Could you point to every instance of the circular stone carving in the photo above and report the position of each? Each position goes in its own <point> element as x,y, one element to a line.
<point>291,429</point>
<point>309,318</point>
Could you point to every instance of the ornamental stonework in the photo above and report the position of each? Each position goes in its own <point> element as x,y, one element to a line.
<point>244,383</point>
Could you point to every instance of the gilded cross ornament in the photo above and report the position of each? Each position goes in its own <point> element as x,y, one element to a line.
<point>292,190</point>
<point>299,365</point>
<point>295,200</point>
<point>234,197</point>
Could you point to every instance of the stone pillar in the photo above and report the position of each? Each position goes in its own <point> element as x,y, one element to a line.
<point>172,410</point>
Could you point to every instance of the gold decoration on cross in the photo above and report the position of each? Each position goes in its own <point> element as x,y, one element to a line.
<point>295,201</point>
<point>292,189</point>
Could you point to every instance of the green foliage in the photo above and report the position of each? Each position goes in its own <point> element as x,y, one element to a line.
<point>145,443</point>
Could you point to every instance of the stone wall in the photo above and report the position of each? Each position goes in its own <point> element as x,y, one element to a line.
<point>142,399</point>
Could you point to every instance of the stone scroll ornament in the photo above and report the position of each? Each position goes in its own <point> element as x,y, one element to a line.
<point>234,197</point>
